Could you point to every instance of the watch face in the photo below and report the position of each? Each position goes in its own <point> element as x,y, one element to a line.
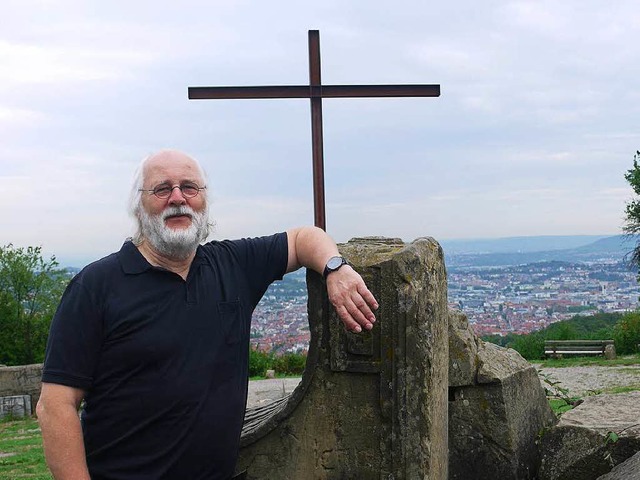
<point>334,262</point>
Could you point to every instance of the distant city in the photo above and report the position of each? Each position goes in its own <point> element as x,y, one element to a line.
<point>522,299</point>
<point>280,322</point>
<point>502,286</point>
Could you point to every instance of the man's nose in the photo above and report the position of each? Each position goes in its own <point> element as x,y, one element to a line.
<point>176,197</point>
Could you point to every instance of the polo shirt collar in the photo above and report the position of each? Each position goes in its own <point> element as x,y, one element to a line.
<point>133,262</point>
<point>200,257</point>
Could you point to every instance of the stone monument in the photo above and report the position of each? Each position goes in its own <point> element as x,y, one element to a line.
<point>371,405</point>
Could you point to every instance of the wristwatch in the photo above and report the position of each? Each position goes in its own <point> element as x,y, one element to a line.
<point>333,264</point>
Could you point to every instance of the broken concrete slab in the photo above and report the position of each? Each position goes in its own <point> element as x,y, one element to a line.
<point>582,446</point>
<point>627,470</point>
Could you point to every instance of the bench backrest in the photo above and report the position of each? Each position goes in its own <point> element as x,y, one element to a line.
<point>576,347</point>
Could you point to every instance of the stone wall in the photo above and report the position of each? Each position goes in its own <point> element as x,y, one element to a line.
<point>21,380</point>
<point>370,405</point>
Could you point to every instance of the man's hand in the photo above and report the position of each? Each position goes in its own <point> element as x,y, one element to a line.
<point>311,247</point>
<point>351,298</point>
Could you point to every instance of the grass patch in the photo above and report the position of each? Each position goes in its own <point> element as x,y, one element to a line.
<point>21,453</point>
<point>588,361</point>
<point>278,375</point>
<point>558,396</point>
<point>625,389</point>
<point>559,406</point>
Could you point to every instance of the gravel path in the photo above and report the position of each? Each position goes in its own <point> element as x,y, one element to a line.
<point>580,381</point>
<point>266,391</point>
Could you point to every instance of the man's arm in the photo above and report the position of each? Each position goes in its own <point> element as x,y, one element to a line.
<point>57,412</point>
<point>311,247</point>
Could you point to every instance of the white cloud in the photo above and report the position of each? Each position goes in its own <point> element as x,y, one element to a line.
<point>20,116</point>
<point>36,64</point>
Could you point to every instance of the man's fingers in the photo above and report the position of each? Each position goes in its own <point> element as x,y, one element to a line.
<point>362,308</point>
<point>352,300</point>
<point>353,317</point>
<point>368,296</point>
<point>359,316</point>
<point>349,323</point>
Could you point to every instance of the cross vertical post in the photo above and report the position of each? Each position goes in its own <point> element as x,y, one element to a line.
<point>315,87</point>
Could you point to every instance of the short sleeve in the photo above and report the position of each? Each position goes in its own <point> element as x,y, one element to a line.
<point>264,260</point>
<point>75,339</point>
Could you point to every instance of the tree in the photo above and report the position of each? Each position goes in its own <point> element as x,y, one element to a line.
<point>632,209</point>
<point>530,346</point>
<point>562,331</point>
<point>626,334</point>
<point>30,289</point>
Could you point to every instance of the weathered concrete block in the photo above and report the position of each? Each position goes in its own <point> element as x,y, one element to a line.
<point>370,405</point>
<point>22,380</point>
<point>463,350</point>
<point>579,446</point>
<point>610,351</point>
<point>496,364</point>
<point>572,452</point>
<point>15,406</point>
<point>497,409</point>
<point>627,470</point>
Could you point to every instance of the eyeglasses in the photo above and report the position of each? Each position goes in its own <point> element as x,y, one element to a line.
<point>163,191</point>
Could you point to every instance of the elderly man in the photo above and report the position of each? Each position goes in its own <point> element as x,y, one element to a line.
<point>155,337</point>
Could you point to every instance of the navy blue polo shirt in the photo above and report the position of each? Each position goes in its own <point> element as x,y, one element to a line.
<point>163,361</point>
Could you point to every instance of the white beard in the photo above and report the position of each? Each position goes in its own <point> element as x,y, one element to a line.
<point>176,244</point>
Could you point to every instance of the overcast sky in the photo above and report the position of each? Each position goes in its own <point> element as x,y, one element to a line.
<point>537,122</point>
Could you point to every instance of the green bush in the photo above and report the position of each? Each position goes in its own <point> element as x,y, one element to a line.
<point>290,364</point>
<point>564,330</point>
<point>287,364</point>
<point>531,346</point>
<point>259,363</point>
<point>626,334</point>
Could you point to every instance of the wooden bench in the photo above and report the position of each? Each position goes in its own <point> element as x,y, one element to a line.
<point>560,348</point>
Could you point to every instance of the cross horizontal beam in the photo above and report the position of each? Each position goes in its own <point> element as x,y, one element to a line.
<point>307,91</point>
<point>315,92</point>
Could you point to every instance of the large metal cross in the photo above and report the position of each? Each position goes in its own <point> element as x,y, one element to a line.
<point>315,91</point>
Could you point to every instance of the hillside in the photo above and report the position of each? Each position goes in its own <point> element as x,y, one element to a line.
<point>519,244</point>
<point>602,249</point>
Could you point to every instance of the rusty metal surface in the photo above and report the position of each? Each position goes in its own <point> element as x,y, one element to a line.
<point>315,91</point>
<point>305,91</point>
<point>317,147</point>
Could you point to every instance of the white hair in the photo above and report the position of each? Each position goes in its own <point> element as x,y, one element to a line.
<point>135,195</point>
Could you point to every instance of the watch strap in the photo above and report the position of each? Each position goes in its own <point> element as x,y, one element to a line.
<point>333,265</point>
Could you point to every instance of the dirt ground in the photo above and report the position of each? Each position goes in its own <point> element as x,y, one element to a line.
<point>583,381</point>
<point>265,391</point>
